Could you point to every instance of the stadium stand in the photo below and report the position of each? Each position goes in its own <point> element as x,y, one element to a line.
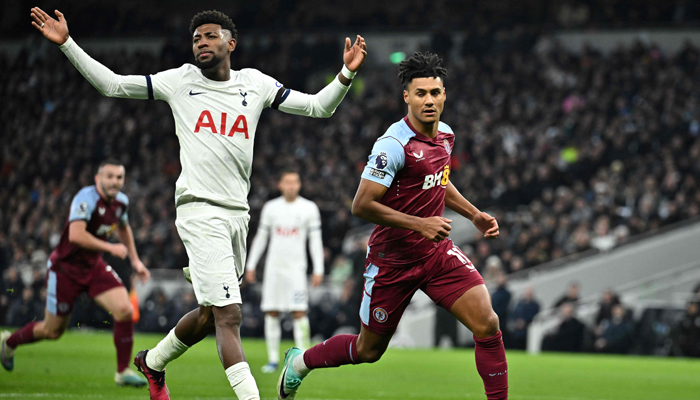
<point>572,152</point>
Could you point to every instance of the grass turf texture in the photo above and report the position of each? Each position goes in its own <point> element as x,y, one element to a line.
<point>81,366</point>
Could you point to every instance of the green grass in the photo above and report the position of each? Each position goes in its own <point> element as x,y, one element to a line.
<point>81,366</point>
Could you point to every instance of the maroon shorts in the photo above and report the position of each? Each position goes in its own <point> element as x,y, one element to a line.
<point>64,284</point>
<point>444,277</point>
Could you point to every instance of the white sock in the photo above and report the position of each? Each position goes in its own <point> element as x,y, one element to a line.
<point>302,332</point>
<point>242,381</point>
<point>273,335</point>
<point>299,366</point>
<point>165,351</point>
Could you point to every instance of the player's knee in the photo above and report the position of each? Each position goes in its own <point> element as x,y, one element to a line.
<point>228,317</point>
<point>488,326</point>
<point>124,312</point>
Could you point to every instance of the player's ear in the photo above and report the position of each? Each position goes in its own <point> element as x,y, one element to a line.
<point>231,45</point>
<point>405,96</point>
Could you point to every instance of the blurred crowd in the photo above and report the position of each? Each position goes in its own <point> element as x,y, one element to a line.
<point>570,152</point>
<point>658,331</point>
<point>98,19</point>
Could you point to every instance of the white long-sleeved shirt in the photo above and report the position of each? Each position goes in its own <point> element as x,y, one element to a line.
<point>288,225</point>
<point>215,121</point>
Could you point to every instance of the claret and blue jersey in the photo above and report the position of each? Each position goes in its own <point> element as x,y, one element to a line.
<point>101,217</point>
<point>416,171</point>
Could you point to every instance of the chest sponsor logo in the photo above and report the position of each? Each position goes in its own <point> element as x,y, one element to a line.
<point>287,231</point>
<point>441,178</point>
<point>245,103</point>
<point>105,230</point>
<point>240,125</point>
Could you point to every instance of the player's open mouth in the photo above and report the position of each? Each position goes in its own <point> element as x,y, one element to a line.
<point>429,112</point>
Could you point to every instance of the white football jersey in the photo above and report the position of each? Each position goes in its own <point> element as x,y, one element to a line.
<point>215,122</point>
<point>289,225</point>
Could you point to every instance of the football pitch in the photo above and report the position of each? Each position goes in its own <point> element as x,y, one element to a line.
<point>81,366</point>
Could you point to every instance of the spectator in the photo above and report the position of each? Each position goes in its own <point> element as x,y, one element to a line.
<point>157,313</point>
<point>686,335</point>
<point>24,310</point>
<point>614,335</point>
<point>571,296</point>
<point>607,302</point>
<point>524,312</point>
<point>13,285</point>
<point>500,299</point>
<point>570,333</point>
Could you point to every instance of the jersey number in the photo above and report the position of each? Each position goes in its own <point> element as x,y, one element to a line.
<point>206,121</point>
<point>456,252</point>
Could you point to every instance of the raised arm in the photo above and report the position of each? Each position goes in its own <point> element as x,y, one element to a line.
<point>102,78</point>
<point>457,203</point>
<point>324,103</point>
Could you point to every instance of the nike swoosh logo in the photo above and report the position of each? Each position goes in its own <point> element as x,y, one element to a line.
<point>282,394</point>
<point>195,93</point>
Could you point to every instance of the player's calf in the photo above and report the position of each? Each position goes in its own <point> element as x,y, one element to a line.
<point>51,333</point>
<point>368,353</point>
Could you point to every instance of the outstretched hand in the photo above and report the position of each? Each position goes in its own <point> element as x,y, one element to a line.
<point>486,224</point>
<point>55,31</point>
<point>354,55</point>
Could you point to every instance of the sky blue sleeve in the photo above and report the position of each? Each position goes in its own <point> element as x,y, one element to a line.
<point>385,162</point>
<point>83,206</point>
<point>124,218</point>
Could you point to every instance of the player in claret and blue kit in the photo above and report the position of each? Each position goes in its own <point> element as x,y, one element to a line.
<point>76,266</point>
<point>404,190</point>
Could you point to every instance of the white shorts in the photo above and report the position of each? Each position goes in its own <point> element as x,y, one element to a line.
<point>215,240</point>
<point>284,291</point>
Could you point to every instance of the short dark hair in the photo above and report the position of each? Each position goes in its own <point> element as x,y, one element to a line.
<point>286,171</point>
<point>421,65</point>
<point>110,161</point>
<point>214,17</point>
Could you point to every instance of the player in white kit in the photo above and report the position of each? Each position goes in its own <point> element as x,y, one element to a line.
<point>288,221</point>
<point>216,113</point>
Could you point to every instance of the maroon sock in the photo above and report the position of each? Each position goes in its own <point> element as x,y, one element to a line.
<point>22,335</point>
<point>123,341</point>
<point>492,366</point>
<point>334,352</point>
